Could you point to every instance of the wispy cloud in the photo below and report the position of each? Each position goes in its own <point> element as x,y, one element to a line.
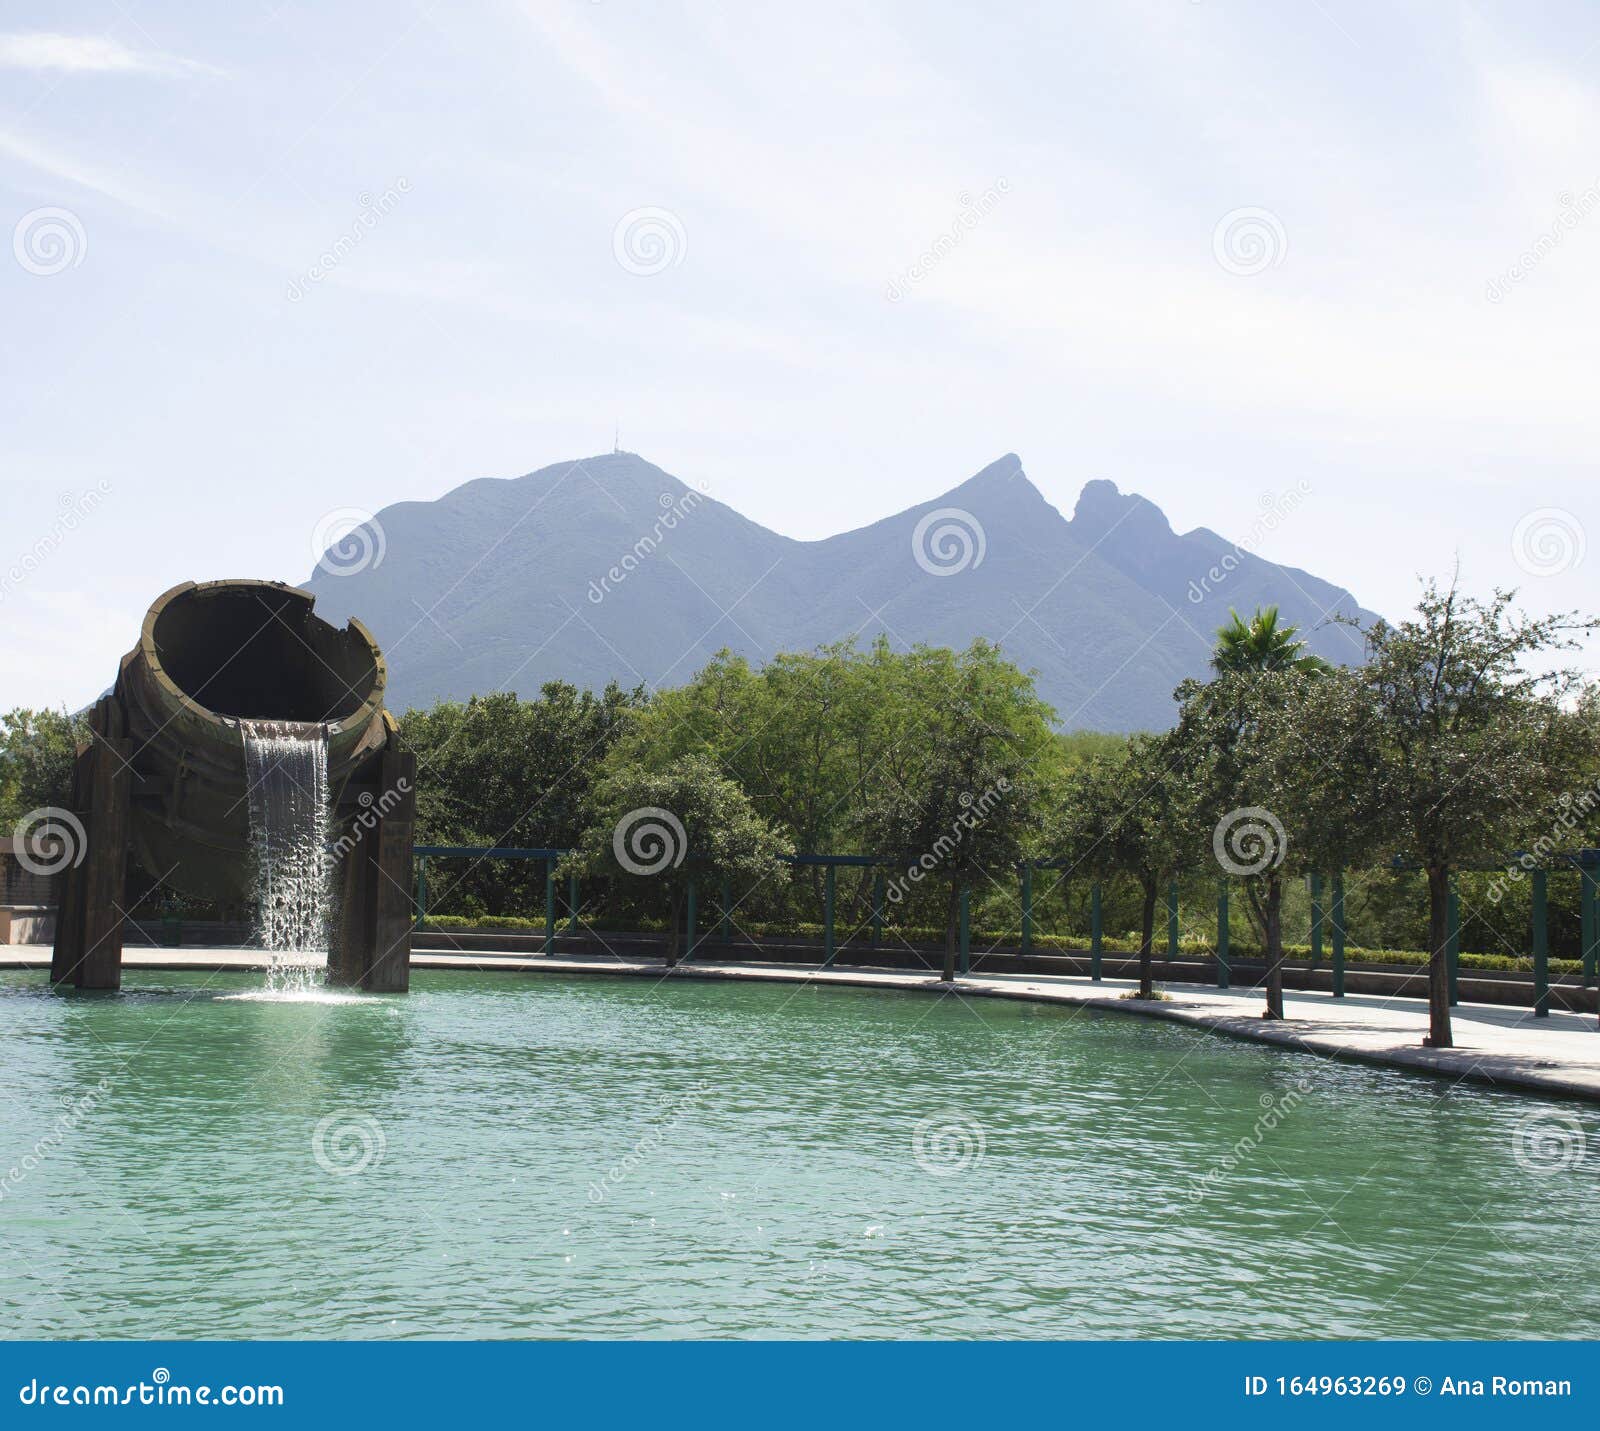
<point>89,54</point>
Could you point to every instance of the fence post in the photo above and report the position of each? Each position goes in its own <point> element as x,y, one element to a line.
<point>1027,908</point>
<point>1316,920</point>
<point>572,904</point>
<point>1096,932</point>
<point>1338,936</point>
<point>689,921</point>
<point>966,928</point>
<point>1224,975</point>
<point>1541,945</point>
<point>1589,905</point>
<point>1172,920</point>
<point>725,927</point>
<point>827,918</point>
<point>1452,940</point>
<point>549,906</point>
<point>422,891</point>
<point>877,909</point>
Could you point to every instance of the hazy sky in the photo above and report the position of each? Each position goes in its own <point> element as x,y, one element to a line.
<point>886,244</point>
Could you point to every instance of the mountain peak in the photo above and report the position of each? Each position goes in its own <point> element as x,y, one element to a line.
<point>1102,509</point>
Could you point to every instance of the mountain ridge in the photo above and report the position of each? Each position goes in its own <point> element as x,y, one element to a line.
<point>609,568</point>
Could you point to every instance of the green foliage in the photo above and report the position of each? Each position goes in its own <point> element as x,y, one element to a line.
<point>1260,644</point>
<point>36,754</point>
<point>653,831</point>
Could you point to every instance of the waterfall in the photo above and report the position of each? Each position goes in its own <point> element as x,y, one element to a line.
<point>287,769</point>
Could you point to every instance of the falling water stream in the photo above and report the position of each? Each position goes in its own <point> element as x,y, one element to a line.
<point>287,769</point>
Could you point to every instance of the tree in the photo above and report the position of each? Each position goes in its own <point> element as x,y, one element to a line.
<point>496,770</point>
<point>652,831</point>
<point>36,754</point>
<point>957,790</point>
<point>1133,815</point>
<point>1473,749</point>
<point>1261,644</point>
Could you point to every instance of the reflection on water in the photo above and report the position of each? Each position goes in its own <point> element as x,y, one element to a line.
<point>500,1155</point>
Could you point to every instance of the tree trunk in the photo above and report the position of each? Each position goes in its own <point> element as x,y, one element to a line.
<point>1147,939</point>
<point>952,924</point>
<point>1439,1032</point>
<point>1272,912</point>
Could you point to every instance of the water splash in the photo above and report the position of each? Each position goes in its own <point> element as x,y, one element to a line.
<point>287,769</point>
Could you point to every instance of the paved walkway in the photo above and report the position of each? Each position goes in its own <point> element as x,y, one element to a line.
<point>1503,1046</point>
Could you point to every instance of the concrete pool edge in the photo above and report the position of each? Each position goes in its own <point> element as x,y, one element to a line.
<point>1560,1059</point>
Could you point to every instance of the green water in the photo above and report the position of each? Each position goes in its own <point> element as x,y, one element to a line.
<point>523,1156</point>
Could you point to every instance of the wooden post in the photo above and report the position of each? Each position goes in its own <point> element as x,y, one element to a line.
<point>549,904</point>
<point>572,904</point>
<point>1589,915</point>
<point>877,909</point>
<point>827,917</point>
<point>1452,940</point>
<point>1338,936</point>
<point>1224,974</point>
<point>88,945</point>
<point>966,929</point>
<point>1172,920</point>
<point>689,921</point>
<point>373,946</point>
<point>1316,920</point>
<point>422,891</point>
<point>1027,909</point>
<point>1096,932</point>
<point>1541,945</point>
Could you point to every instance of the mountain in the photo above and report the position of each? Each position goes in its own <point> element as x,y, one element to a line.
<point>609,568</point>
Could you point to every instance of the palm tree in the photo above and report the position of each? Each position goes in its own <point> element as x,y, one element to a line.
<point>1261,644</point>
